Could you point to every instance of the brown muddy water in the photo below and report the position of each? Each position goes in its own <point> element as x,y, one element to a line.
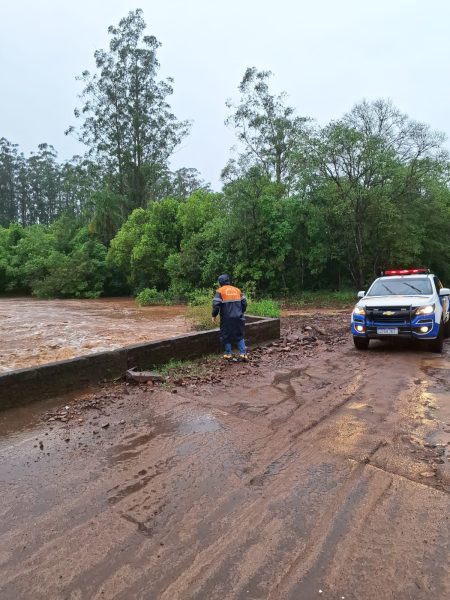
<point>34,332</point>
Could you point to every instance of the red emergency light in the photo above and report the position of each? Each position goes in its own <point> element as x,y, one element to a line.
<point>406,272</point>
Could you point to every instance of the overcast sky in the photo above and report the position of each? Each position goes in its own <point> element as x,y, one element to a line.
<point>325,54</point>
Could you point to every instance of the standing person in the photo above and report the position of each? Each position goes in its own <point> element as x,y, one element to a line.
<point>231,304</point>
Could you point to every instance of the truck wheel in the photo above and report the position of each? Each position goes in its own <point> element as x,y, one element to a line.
<point>360,342</point>
<point>447,328</point>
<point>437,345</point>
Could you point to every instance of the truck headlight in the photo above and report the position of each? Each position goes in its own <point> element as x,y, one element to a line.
<point>425,310</point>
<point>359,310</point>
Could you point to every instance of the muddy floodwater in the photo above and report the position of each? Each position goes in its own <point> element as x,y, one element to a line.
<point>34,332</point>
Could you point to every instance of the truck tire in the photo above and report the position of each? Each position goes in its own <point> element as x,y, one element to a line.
<point>361,343</point>
<point>437,345</point>
<point>447,328</point>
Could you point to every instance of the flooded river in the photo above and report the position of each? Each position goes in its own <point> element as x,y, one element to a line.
<point>34,332</point>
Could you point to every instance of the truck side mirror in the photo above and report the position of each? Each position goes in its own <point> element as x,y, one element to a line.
<point>444,292</point>
<point>361,294</point>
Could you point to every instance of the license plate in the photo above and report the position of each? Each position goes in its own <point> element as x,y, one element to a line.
<point>387,330</point>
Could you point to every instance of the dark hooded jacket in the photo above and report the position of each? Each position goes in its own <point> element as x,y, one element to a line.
<point>231,304</point>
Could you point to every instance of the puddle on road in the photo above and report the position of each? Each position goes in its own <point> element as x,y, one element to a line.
<point>35,332</point>
<point>435,363</point>
<point>201,424</point>
<point>21,420</point>
<point>187,448</point>
<point>136,443</point>
<point>436,402</point>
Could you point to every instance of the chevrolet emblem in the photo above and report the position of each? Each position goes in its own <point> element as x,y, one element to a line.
<point>388,313</point>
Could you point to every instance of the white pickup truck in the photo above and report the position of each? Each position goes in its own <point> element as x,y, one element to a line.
<point>408,303</point>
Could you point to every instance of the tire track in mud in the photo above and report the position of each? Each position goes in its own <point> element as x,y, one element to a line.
<point>208,561</point>
<point>345,516</point>
<point>285,378</point>
<point>267,479</point>
<point>349,500</point>
<point>357,388</point>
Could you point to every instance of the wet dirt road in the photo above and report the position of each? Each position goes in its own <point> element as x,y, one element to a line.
<point>34,332</point>
<point>314,472</point>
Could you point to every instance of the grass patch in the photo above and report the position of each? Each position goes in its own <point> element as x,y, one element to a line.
<point>174,366</point>
<point>178,369</point>
<point>264,308</point>
<point>200,314</point>
<point>322,299</point>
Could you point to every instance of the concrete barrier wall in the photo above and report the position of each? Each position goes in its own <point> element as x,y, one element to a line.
<point>45,381</point>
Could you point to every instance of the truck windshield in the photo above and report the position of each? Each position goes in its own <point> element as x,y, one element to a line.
<point>401,287</point>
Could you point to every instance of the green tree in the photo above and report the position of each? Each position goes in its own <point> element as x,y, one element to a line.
<point>80,179</point>
<point>201,222</point>
<point>143,244</point>
<point>268,130</point>
<point>9,238</point>
<point>80,273</point>
<point>367,171</point>
<point>127,123</point>
<point>258,233</point>
<point>107,214</point>
<point>43,185</point>
<point>8,182</point>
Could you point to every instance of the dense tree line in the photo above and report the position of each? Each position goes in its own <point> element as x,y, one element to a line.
<point>302,206</point>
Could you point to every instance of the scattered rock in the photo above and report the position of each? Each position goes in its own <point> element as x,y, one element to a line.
<point>443,472</point>
<point>145,376</point>
<point>427,474</point>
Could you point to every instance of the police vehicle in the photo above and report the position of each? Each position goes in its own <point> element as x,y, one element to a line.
<point>408,303</point>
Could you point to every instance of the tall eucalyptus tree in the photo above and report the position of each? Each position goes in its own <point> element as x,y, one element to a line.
<point>126,120</point>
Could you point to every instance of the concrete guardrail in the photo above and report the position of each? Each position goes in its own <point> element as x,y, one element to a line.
<point>45,381</point>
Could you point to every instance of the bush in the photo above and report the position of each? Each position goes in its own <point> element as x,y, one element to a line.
<point>151,296</point>
<point>201,316</point>
<point>264,308</point>
<point>200,297</point>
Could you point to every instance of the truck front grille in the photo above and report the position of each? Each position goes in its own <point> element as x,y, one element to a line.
<point>385,315</point>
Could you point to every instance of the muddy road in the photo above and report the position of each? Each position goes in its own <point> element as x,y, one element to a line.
<point>315,471</point>
<point>34,332</point>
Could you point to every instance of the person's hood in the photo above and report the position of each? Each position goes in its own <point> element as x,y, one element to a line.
<point>224,280</point>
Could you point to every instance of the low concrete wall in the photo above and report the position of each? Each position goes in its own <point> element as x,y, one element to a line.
<point>44,381</point>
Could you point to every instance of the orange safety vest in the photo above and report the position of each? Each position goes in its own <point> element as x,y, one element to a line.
<point>228,293</point>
